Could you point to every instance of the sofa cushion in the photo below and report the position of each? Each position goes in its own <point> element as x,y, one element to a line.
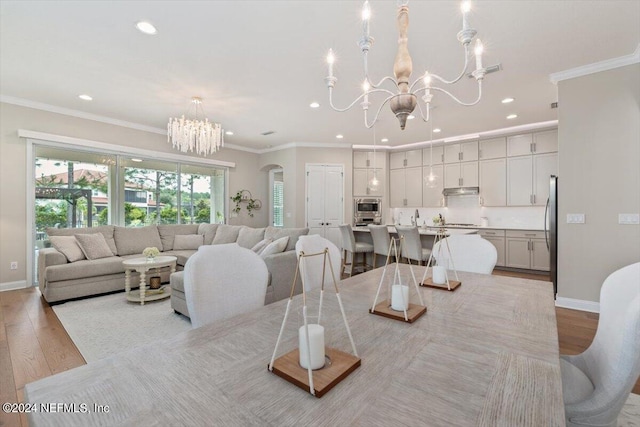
<point>208,231</point>
<point>187,241</point>
<point>226,234</point>
<point>84,268</point>
<point>106,230</point>
<point>275,247</point>
<point>177,281</point>
<point>182,256</point>
<point>248,237</point>
<point>68,246</point>
<point>168,233</point>
<point>259,247</point>
<point>94,246</point>
<point>293,233</point>
<point>133,240</point>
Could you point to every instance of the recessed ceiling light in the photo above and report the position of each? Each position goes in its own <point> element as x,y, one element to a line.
<point>85,97</point>
<point>512,116</point>
<point>411,117</point>
<point>339,136</point>
<point>314,105</point>
<point>384,140</point>
<point>146,28</point>
<point>228,132</point>
<point>508,100</point>
<point>136,160</point>
<point>437,130</point>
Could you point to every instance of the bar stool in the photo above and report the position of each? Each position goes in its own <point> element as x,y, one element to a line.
<point>412,246</point>
<point>349,244</point>
<point>381,241</point>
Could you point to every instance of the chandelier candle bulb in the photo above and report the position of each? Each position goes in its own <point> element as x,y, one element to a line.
<point>330,60</point>
<point>316,346</point>
<point>466,7</point>
<point>478,51</point>
<point>439,275</point>
<point>399,297</point>
<point>366,14</point>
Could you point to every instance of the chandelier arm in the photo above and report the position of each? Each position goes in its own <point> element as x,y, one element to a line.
<point>424,119</point>
<point>342,110</point>
<point>383,80</point>
<point>462,74</point>
<point>460,102</point>
<point>375,118</point>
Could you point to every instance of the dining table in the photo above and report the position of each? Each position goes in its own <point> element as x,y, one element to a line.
<point>485,354</point>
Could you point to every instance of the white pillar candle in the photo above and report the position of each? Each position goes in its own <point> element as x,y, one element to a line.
<point>399,297</point>
<point>316,345</point>
<point>439,275</point>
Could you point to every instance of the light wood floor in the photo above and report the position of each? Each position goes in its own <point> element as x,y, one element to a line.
<point>34,345</point>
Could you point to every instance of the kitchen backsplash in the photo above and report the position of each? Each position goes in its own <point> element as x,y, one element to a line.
<point>466,210</point>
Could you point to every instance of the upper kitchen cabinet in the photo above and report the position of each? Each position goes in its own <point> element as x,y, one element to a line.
<point>405,187</point>
<point>365,159</point>
<point>463,152</point>
<point>528,179</point>
<point>493,148</point>
<point>438,156</point>
<point>405,159</point>
<point>463,174</point>
<point>533,143</point>
<point>493,182</point>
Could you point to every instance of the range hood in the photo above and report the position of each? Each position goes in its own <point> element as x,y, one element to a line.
<point>461,191</point>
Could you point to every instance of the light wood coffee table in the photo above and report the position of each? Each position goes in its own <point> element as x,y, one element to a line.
<point>142,266</point>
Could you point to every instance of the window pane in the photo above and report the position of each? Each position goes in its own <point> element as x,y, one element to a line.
<point>278,202</point>
<point>150,193</point>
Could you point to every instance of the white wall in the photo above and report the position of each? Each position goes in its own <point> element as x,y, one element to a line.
<point>13,172</point>
<point>599,175</point>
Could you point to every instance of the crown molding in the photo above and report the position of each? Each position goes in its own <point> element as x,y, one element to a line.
<point>303,145</point>
<point>79,114</point>
<point>608,64</point>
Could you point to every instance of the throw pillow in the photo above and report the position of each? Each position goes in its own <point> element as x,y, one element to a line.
<point>261,245</point>
<point>248,237</point>
<point>94,246</point>
<point>187,241</point>
<point>226,234</point>
<point>275,247</point>
<point>68,246</point>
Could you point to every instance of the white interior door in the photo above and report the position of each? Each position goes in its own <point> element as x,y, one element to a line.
<point>325,200</point>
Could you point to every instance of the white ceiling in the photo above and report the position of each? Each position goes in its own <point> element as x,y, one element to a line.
<point>259,64</point>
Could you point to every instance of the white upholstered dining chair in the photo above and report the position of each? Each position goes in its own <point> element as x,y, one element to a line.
<point>221,281</point>
<point>470,252</point>
<point>311,267</point>
<point>597,382</point>
<point>381,242</point>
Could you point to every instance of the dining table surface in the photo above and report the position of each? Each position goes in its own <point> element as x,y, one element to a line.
<point>483,355</point>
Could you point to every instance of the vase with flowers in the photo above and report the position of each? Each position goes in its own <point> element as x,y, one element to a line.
<point>151,253</point>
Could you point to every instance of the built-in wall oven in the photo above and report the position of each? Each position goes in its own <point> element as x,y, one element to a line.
<point>367,211</point>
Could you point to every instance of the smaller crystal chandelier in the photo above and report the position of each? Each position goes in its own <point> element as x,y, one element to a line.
<point>201,137</point>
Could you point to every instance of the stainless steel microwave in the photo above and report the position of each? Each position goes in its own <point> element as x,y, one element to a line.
<point>368,208</point>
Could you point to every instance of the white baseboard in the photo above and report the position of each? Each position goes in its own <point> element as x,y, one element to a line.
<point>9,286</point>
<point>578,304</point>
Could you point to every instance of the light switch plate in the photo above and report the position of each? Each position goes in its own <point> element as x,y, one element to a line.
<point>629,219</point>
<point>575,218</point>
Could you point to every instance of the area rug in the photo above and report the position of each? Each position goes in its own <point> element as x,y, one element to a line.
<point>103,326</point>
<point>630,414</point>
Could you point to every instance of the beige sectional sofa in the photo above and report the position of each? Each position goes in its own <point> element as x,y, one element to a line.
<point>60,279</point>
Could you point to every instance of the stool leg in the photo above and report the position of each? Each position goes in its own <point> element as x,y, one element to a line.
<point>344,263</point>
<point>374,261</point>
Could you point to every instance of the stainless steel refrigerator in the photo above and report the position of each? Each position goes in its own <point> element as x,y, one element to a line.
<point>551,230</point>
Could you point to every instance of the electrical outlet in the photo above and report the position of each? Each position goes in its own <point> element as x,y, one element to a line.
<point>575,219</point>
<point>14,265</point>
<point>629,219</point>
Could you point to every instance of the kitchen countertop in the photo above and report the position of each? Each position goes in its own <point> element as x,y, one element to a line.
<point>430,231</point>
<point>490,227</point>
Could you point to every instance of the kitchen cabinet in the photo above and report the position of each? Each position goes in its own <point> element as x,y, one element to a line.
<point>463,152</point>
<point>533,143</point>
<point>361,180</point>
<point>405,187</point>
<point>463,174</point>
<point>432,196</point>
<point>527,250</point>
<point>497,239</point>
<point>405,159</point>
<point>493,182</point>
<point>438,156</point>
<point>528,179</point>
<point>492,148</point>
<point>363,171</point>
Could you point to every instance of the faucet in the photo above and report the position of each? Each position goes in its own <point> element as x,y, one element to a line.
<point>400,218</point>
<point>413,221</point>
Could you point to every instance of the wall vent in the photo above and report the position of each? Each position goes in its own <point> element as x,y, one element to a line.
<point>269,132</point>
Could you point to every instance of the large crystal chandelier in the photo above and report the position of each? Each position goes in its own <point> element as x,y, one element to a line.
<point>405,97</point>
<point>201,137</point>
